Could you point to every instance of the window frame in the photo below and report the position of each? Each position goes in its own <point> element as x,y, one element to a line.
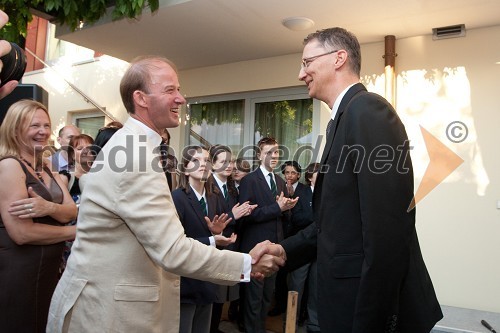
<point>250,100</point>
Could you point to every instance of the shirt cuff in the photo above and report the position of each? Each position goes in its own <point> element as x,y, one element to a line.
<point>212,240</point>
<point>247,268</point>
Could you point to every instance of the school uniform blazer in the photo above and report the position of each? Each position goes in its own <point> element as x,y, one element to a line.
<point>371,273</point>
<point>225,293</point>
<point>266,221</point>
<point>123,274</point>
<point>302,213</point>
<point>192,218</point>
<point>228,205</point>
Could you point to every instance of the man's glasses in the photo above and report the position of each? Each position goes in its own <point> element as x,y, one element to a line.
<point>307,61</point>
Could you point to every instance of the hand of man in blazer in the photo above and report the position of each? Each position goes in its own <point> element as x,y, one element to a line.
<point>267,258</point>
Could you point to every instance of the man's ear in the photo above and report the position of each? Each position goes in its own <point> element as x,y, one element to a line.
<point>140,99</point>
<point>341,58</point>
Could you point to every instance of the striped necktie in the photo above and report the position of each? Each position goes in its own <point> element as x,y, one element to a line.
<point>329,127</point>
<point>164,162</point>
<point>224,188</point>
<point>203,206</point>
<point>273,184</point>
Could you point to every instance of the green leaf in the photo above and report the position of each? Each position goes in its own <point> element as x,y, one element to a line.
<point>67,12</point>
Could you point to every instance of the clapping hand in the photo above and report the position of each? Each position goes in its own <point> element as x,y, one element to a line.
<point>286,203</point>
<point>244,209</point>
<point>218,224</point>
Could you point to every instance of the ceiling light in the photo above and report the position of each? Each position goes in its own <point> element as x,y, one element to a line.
<point>297,23</point>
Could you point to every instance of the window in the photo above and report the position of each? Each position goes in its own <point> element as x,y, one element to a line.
<point>289,122</point>
<point>217,122</point>
<point>240,120</point>
<point>90,126</point>
<point>89,121</point>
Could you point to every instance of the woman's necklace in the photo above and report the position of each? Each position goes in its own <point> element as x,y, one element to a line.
<point>37,172</point>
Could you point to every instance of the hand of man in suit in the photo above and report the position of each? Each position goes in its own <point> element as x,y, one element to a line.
<point>218,224</point>
<point>286,203</point>
<point>267,257</point>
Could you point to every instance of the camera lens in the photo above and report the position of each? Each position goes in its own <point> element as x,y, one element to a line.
<point>14,65</point>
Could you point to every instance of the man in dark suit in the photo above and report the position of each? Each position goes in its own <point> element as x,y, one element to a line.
<point>268,191</point>
<point>371,274</point>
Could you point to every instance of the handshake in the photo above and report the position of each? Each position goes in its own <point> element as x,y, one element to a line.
<point>267,258</point>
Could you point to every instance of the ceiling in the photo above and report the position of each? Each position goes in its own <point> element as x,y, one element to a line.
<point>199,33</point>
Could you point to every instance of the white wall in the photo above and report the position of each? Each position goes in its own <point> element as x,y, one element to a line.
<point>438,82</point>
<point>97,79</point>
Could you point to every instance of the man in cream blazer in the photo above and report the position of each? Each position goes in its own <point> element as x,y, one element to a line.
<point>130,248</point>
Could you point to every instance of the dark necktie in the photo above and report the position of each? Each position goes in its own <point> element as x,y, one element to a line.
<point>224,188</point>
<point>164,162</point>
<point>273,185</point>
<point>329,127</point>
<point>203,206</point>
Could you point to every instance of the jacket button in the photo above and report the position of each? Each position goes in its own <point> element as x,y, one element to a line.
<point>177,283</point>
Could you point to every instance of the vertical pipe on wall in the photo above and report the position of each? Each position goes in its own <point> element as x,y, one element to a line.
<point>390,63</point>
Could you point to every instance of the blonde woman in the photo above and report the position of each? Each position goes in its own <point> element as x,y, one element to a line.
<point>33,204</point>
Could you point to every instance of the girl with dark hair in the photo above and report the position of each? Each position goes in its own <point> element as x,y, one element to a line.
<point>202,215</point>
<point>220,183</point>
<point>240,170</point>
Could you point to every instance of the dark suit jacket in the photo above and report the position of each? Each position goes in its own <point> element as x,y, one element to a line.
<point>265,222</point>
<point>227,205</point>
<point>371,273</point>
<point>191,215</point>
<point>302,213</point>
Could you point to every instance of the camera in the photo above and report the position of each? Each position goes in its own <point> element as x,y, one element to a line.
<point>14,65</point>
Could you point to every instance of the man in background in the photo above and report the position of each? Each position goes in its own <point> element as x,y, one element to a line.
<point>60,159</point>
<point>266,222</point>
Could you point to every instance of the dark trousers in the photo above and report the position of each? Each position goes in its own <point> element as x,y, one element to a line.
<point>258,296</point>
<point>281,290</point>
<point>216,315</point>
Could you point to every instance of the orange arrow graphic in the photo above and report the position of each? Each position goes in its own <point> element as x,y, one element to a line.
<point>442,163</point>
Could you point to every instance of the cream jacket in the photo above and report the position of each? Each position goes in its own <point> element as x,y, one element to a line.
<point>130,247</point>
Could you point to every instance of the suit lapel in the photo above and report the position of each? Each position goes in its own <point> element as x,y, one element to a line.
<point>355,89</point>
<point>280,185</point>
<point>212,205</point>
<point>219,192</point>
<point>195,204</point>
<point>343,104</point>
<point>262,178</point>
